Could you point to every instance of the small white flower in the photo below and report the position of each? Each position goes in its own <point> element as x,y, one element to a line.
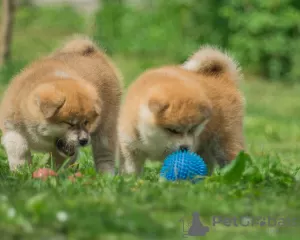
<point>11,212</point>
<point>62,216</point>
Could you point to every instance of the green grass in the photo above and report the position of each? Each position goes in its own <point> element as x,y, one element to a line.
<point>104,207</point>
<point>101,207</point>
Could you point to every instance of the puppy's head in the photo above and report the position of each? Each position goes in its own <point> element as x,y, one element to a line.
<point>69,111</point>
<point>173,116</point>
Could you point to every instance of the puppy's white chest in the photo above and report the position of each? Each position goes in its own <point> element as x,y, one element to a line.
<point>154,146</point>
<point>152,142</point>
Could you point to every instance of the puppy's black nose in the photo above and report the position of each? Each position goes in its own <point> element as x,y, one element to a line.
<point>83,141</point>
<point>184,148</point>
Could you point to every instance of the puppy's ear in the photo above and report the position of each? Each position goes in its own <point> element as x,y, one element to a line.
<point>49,100</point>
<point>98,107</point>
<point>205,110</point>
<point>157,106</point>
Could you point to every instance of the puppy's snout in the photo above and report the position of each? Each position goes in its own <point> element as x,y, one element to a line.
<point>83,138</point>
<point>83,141</point>
<point>184,148</point>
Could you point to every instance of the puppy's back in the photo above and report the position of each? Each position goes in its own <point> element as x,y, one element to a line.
<point>210,61</point>
<point>80,57</point>
<point>220,76</point>
<point>83,56</point>
<point>89,61</point>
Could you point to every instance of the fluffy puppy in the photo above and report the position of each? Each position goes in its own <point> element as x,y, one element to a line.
<point>62,102</point>
<point>195,106</point>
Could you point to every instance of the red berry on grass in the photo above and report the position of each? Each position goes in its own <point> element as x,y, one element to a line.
<point>73,177</point>
<point>44,173</point>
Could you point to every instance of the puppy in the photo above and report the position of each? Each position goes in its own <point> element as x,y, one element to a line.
<point>62,102</point>
<point>195,106</point>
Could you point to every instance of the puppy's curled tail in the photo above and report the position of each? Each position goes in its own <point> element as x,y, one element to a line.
<point>211,61</point>
<point>81,45</point>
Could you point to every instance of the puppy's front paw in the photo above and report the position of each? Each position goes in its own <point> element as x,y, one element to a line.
<point>15,163</point>
<point>16,148</point>
<point>105,166</point>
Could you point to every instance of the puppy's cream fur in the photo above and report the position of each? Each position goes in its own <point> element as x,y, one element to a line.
<point>195,106</point>
<point>61,102</point>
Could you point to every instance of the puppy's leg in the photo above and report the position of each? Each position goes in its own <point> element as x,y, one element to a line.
<point>231,150</point>
<point>209,159</point>
<point>230,145</point>
<point>104,143</point>
<point>16,148</point>
<point>104,151</point>
<point>222,150</point>
<point>104,140</point>
<point>131,162</point>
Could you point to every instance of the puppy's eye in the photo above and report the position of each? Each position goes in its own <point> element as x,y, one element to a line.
<point>172,130</point>
<point>70,124</point>
<point>193,129</point>
<point>86,122</point>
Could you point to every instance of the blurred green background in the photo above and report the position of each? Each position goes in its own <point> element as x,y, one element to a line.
<point>263,35</point>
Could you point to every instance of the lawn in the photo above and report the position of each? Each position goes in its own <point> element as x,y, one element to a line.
<point>104,207</point>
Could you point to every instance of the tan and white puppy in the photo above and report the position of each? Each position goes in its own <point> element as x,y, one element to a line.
<point>195,106</point>
<point>62,102</point>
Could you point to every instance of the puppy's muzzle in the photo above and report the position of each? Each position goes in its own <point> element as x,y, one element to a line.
<point>184,148</point>
<point>83,138</point>
<point>64,148</point>
<point>83,141</point>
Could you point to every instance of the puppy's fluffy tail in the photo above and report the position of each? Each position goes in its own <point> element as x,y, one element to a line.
<point>79,45</point>
<point>212,61</point>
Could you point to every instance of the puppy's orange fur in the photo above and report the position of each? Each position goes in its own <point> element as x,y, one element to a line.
<point>62,102</point>
<point>196,106</point>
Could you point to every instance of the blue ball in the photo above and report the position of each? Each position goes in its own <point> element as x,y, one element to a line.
<point>183,165</point>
